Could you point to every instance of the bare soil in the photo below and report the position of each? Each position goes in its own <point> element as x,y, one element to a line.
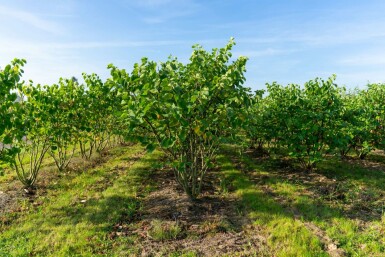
<point>210,226</point>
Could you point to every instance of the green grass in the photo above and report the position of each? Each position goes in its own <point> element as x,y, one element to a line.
<point>76,216</point>
<point>161,231</point>
<point>355,236</point>
<point>285,235</point>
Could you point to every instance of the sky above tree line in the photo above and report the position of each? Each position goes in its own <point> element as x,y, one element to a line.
<point>286,41</point>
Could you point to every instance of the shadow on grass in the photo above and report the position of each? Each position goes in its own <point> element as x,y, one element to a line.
<point>113,198</point>
<point>352,170</point>
<point>102,213</point>
<point>338,188</point>
<point>256,197</point>
<point>279,224</point>
<point>253,198</point>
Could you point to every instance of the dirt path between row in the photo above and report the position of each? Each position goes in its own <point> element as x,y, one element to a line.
<point>211,226</point>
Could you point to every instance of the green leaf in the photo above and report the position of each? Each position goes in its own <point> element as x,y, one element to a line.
<point>167,142</point>
<point>150,148</point>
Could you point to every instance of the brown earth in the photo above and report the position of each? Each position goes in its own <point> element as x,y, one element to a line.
<point>210,226</point>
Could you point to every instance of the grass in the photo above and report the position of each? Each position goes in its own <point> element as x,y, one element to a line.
<point>341,204</point>
<point>76,216</point>
<point>48,164</point>
<point>161,230</point>
<point>338,218</point>
<point>285,235</point>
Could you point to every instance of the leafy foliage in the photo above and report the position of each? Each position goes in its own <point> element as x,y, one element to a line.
<point>9,109</point>
<point>35,142</point>
<point>63,102</point>
<point>187,110</point>
<point>303,120</point>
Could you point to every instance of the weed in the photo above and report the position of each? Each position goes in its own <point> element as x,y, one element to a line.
<point>164,230</point>
<point>224,185</point>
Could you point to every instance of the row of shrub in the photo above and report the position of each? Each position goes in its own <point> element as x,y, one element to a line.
<point>319,118</point>
<point>187,110</point>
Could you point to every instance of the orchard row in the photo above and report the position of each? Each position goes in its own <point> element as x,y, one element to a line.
<point>186,110</point>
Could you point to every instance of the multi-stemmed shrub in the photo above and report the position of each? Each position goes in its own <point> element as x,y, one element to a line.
<point>187,110</point>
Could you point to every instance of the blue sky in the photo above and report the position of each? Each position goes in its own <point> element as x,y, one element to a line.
<point>286,41</point>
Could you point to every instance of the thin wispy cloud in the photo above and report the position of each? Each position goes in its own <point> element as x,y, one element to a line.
<point>38,47</point>
<point>29,19</point>
<point>154,3</point>
<point>337,34</point>
<point>368,59</point>
<point>265,52</point>
<point>166,16</point>
<point>161,11</point>
<point>167,4</point>
<point>360,78</point>
<point>285,41</point>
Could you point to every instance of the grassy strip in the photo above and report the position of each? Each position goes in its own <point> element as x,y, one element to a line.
<point>285,235</point>
<point>355,237</point>
<point>79,212</point>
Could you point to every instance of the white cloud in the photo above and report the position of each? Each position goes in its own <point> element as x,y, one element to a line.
<point>42,49</point>
<point>265,52</point>
<point>365,59</point>
<point>46,62</point>
<point>154,3</point>
<point>319,37</point>
<point>359,79</point>
<point>160,11</point>
<point>165,16</point>
<point>312,33</point>
<point>29,19</point>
